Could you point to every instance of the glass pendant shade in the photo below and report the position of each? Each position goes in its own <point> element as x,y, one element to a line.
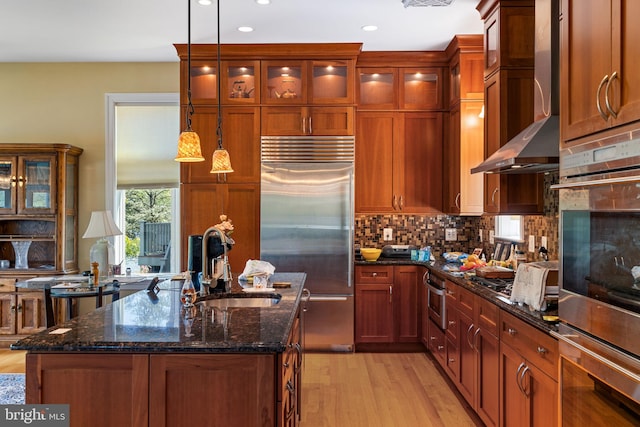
<point>189,147</point>
<point>221,162</point>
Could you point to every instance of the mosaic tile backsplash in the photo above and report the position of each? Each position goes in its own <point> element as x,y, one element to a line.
<point>429,230</point>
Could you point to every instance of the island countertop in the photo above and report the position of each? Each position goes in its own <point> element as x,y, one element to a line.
<point>155,322</point>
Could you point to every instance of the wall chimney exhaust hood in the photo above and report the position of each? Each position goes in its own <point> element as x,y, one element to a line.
<point>536,148</point>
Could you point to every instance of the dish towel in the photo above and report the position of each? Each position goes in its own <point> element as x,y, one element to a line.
<point>528,285</point>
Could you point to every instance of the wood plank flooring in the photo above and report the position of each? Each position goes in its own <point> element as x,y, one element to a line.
<point>378,389</point>
<point>361,389</point>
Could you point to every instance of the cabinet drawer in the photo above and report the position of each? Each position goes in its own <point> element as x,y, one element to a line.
<point>465,301</point>
<point>487,316</point>
<point>538,348</point>
<point>7,285</point>
<point>374,274</point>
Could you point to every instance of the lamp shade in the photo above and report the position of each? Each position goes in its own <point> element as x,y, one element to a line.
<point>221,162</point>
<point>189,147</point>
<point>101,224</point>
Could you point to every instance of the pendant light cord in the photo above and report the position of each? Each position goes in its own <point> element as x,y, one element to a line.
<point>190,109</point>
<point>218,78</point>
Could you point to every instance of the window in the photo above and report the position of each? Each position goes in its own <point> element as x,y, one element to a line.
<point>143,179</point>
<point>509,227</point>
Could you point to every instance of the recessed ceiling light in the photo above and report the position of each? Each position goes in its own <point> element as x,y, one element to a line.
<point>369,27</point>
<point>245,29</point>
<point>205,2</point>
<point>263,1</point>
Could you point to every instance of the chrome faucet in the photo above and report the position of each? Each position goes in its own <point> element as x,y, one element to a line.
<point>207,277</point>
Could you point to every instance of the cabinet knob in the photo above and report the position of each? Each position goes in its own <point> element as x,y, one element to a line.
<point>433,338</point>
<point>374,274</point>
<point>290,387</point>
<point>440,347</point>
<point>451,360</point>
<point>285,364</point>
<point>13,309</point>
<point>452,322</point>
<point>19,307</point>
<point>512,331</point>
<point>542,350</point>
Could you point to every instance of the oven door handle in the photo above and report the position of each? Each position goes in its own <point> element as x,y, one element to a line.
<point>601,360</point>
<point>437,291</point>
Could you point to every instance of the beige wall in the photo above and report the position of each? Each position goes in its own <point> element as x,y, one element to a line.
<point>64,103</point>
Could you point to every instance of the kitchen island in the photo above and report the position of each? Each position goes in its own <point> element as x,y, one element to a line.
<point>146,361</point>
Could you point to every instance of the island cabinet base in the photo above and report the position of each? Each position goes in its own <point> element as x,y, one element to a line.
<point>156,389</point>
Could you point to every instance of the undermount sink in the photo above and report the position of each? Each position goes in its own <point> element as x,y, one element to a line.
<point>240,300</point>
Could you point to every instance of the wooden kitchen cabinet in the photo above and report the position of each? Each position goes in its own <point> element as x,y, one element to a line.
<point>22,313</point>
<point>321,121</point>
<point>509,101</point>
<point>463,191</point>
<point>400,88</point>
<point>387,302</point>
<point>473,360</point>
<point>202,204</point>
<point>241,138</point>
<point>398,163</point>
<point>600,66</point>
<point>39,205</point>
<point>528,374</point>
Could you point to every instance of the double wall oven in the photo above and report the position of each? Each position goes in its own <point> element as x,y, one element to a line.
<point>599,305</point>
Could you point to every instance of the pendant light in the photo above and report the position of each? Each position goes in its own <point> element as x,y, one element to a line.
<point>189,141</point>
<point>220,163</point>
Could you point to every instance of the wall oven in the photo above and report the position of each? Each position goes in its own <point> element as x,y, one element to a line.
<point>599,304</point>
<point>436,298</point>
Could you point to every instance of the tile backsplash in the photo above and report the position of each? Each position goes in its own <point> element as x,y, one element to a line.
<point>429,230</point>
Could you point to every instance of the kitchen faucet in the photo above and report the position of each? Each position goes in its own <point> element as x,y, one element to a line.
<point>206,266</point>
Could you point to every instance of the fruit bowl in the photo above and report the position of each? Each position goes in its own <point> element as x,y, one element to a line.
<point>370,254</point>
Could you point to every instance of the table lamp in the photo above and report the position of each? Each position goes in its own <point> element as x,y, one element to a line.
<point>101,225</point>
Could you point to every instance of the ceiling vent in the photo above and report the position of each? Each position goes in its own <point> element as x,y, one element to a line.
<point>418,3</point>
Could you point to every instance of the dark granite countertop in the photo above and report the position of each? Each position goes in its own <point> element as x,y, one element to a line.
<point>150,323</point>
<point>534,318</point>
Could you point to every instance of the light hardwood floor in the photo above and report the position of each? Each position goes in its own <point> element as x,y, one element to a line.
<point>361,389</point>
<point>378,389</point>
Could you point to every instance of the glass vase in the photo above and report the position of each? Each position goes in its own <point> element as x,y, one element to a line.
<point>21,250</point>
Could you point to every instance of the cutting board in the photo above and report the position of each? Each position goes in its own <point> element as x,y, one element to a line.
<point>494,272</point>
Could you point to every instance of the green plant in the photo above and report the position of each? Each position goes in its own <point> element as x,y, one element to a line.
<point>132,246</point>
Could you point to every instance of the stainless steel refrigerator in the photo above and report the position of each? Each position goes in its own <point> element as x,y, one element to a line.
<point>306,224</point>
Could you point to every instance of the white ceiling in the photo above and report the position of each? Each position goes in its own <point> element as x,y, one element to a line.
<point>145,30</point>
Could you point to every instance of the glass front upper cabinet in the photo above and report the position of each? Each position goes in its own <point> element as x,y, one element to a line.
<point>27,184</point>
<point>240,82</point>
<point>421,88</point>
<point>377,89</point>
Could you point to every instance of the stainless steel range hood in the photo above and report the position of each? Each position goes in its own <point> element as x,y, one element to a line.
<point>536,148</point>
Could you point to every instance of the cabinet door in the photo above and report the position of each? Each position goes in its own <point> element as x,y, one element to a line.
<point>284,82</point>
<point>204,84</point>
<point>513,401</point>
<point>377,88</point>
<point>418,164</point>
<point>122,380</point>
<point>283,121</point>
<point>543,397</point>
<point>201,206</point>
<point>452,155</point>
<point>36,184</point>
<point>330,121</point>
<point>468,366</point>
<point>437,343</point>
<point>406,303</point>
<point>377,133</point>
<point>331,82</point>
<point>31,313</point>
<point>7,313</point>
<point>586,62</point>
<point>374,313</point>
<point>240,82</point>
<point>8,184</point>
<point>241,137</point>
<point>420,89</point>
<point>488,371</point>
<point>626,60</point>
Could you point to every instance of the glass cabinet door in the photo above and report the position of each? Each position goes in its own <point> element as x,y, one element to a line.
<point>283,82</point>
<point>8,181</point>
<point>331,82</point>
<point>240,82</point>
<point>36,187</point>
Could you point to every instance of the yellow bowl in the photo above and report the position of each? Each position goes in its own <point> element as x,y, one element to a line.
<point>370,254</point>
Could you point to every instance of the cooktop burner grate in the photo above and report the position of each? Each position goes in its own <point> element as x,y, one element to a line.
<point>499,285</point>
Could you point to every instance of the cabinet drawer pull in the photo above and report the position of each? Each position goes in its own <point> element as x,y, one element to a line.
<point>512,331</point>
<point>440,347</point>
<point>452,322</point>
<point>606,95</point>
<point>604,80</point>
<point>310,127</point>
<point>451,360</point>
<point>542,350</point>
<point>433,338</point>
